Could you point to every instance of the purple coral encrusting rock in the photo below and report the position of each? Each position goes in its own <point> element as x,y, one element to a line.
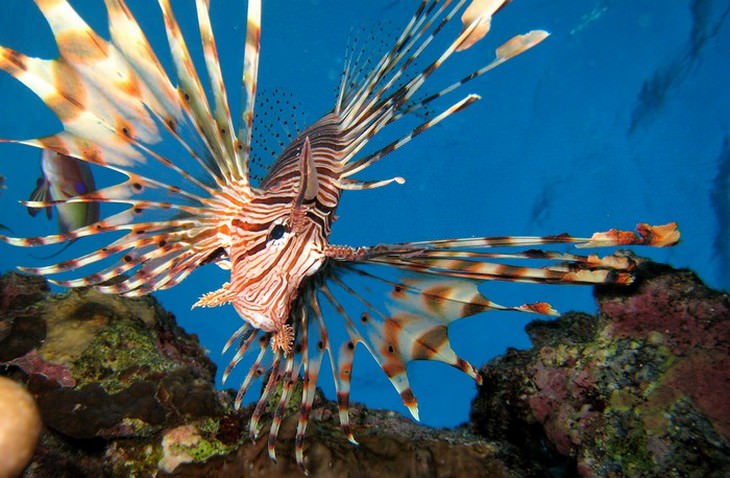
<point>639,390</point>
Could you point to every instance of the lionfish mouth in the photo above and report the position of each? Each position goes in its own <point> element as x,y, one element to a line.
<point>275,323</point>
<point>282,333</point>
<point>261,321</point>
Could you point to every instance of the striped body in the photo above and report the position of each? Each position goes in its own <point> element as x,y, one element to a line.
<point>280,235</point>
<point>287,283</point>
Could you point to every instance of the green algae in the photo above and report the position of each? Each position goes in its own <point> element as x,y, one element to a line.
<point>294,401</point>
<point>192,443</point>
<point>207,448</point>
<point>119,352</point>
<point>134,459</point>
<point>626,444</point>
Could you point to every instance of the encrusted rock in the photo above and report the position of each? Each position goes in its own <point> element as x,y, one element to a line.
<point>101,368</point>
<point>390,445</point>
<point>639,390</point>
<point>123,391</point>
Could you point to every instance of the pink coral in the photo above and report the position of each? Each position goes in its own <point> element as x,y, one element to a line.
<point>703,376</point>
<point>33,363</point>
<point>676,305</point>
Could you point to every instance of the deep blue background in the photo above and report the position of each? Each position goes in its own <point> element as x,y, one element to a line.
<point>621,116</point>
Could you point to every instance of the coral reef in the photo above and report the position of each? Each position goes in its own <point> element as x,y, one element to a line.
<point>123,391</point>
<point>104,371</point>
<point>638,390</point>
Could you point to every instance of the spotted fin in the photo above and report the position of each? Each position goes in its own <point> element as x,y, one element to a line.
<point>431,284</point>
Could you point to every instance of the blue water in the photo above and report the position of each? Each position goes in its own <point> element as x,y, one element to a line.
<point>621,116</point>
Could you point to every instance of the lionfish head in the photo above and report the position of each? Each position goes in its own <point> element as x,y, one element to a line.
<point>275,245</point>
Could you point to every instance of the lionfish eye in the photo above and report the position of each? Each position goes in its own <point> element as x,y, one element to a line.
<point>277,232</point>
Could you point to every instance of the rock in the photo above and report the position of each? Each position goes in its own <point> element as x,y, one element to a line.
<point>639,390</point>
<point>123,391</point>
<point>390,446</point>
<point>102,369</point>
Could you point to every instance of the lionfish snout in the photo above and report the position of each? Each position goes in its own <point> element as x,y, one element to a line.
<point>261,304</point>
<point>268,264</point>
<point>265,283</point>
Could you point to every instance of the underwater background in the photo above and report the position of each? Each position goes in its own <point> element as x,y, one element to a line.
<point>621,116</point>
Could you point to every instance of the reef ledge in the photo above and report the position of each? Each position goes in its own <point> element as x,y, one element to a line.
<point>639,389</point>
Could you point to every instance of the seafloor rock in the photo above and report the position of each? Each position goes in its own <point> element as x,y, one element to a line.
<point>123,391</point>
<point>640,390</point>
<point>101,368</point>
<point>390,445</point>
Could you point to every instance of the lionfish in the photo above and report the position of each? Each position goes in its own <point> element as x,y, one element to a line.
<point>287,282</point>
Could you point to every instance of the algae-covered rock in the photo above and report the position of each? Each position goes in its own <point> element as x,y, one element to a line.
<point>639,390</point>
<point>390,445</point>
<point>101,368</point>
<point>104,367</point>
<point>123,391</point>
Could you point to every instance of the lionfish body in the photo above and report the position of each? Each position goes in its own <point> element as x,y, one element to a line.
<point>116,103</point>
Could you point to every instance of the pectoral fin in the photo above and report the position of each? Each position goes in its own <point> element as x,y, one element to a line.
<point>216,298</point>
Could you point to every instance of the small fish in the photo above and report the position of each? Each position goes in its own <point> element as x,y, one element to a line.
<point>288,283</point>
<point>63,178</point>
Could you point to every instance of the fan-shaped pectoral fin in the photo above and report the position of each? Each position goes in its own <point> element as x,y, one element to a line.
<point>216,298</point>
